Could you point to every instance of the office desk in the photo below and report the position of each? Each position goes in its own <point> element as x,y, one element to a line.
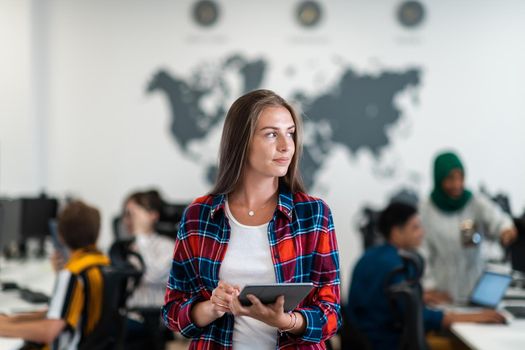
<point>36,275</point>
<point>10,344</point>
<point>486,336</point>
<point>491,337</point>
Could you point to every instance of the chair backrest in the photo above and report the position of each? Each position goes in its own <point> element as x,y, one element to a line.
<point>406,301</point>
<point>170,218</point>
<point>517,249</point>
<point>350,335</point>
<point>109,331</point>
<point>368,228</point>
<point>124,258</point>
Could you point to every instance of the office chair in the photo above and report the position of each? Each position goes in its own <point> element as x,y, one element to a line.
<point>110,330</point>
<point>170,218</point>
<point>123,257</point>
<point>368,228</point>
<point>406,301</point>
<point>351,336</point>
<point>157,334</point>
<point>517,248</point>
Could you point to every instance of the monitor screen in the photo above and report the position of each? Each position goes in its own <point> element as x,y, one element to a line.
<point>36,213</point>
<point>490,289</point>
<point>10,220</point>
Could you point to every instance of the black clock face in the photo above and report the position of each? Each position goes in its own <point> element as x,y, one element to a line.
<point>309,13</point>
<point>411,14</point>
<point>206,13</point>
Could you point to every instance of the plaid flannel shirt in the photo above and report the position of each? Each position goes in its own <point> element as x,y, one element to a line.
<point>303,247</point>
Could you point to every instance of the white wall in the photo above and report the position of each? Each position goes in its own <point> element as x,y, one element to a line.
<point>106,136</point>
<point>18,148</point>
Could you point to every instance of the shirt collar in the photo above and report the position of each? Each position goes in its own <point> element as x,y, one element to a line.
<point>284,202</point>
<point>90,252</point>
<point>217,204</point>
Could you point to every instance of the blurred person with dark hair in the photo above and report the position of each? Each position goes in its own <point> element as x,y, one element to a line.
<point>76,304</point>
<point>457,223</point>
<point>368,304</point>
<point>141,213</point>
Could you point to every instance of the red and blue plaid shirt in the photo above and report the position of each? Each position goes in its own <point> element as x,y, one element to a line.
<point>303,246</point>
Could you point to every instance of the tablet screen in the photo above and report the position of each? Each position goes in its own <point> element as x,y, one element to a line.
<point>490,289</point>
<point>293,293</point>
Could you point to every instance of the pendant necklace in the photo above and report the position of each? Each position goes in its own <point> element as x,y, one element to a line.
<point>251,212</point>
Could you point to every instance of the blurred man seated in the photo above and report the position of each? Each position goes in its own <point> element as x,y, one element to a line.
<point>368,304</point>
<point>76,303</point>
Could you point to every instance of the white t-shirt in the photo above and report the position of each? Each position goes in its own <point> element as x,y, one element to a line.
<point>157,252</point>
<point>450,266</point>
<point>248,260</point>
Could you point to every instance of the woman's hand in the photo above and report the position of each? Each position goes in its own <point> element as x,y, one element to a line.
<point>205,312</point>
<point>271,314</point>
<point>222,297</point>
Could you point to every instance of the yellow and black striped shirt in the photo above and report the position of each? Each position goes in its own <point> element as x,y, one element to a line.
<point>77,297</point>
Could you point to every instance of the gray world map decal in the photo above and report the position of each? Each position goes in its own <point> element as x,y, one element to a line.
<point>355,113</point>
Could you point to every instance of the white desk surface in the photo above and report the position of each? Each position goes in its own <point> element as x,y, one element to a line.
<point>490,337</point>
<point>36,275</point>
<point>509,336</point>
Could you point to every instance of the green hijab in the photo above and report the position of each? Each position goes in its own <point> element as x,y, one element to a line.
<point>443,165</point>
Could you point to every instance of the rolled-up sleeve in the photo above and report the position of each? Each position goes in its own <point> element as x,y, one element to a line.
<point>493,217</point>
<point>182,291</point>
<point>323,315</point>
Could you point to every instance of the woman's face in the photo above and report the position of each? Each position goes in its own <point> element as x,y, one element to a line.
<point>138,219</point>
<point>272,146</point>
<point>453,184</point>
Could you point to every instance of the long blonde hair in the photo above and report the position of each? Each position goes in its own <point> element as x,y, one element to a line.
<point>237,135</point>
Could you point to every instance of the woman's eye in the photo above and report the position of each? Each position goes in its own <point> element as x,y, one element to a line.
<point>271,134</point>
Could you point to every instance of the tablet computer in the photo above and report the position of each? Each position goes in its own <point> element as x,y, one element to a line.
<point>293,293</point>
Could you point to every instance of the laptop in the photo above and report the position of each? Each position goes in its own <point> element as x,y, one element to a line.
<point>490,290</point>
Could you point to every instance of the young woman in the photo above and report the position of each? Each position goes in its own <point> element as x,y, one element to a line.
<point>141,213</point>
<point>256,226</point>
<point>450,216</point>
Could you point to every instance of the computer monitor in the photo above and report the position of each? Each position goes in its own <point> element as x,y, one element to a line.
<point>10,222</point>
<point>36,213</point>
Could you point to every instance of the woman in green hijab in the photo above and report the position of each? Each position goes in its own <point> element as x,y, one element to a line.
<point>456,223</point>
<point>449,194</point>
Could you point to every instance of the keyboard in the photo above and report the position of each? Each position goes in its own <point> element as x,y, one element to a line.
<point>33,297</point>
<point>516,311</point>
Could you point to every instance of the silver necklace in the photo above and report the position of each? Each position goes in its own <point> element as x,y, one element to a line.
<point>251,212</point>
